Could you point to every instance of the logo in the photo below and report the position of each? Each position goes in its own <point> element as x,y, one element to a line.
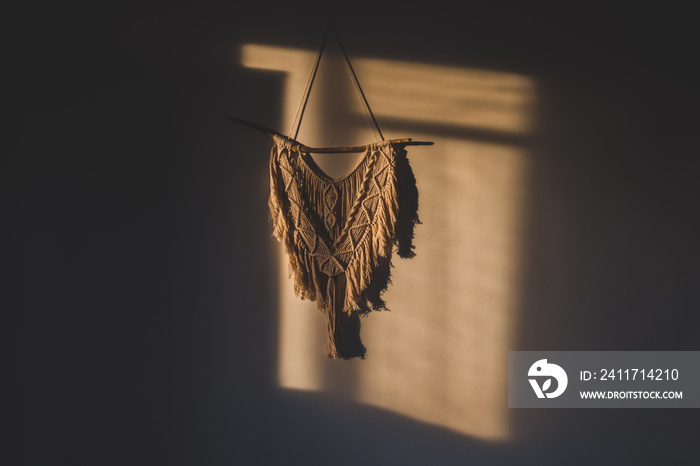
<point>542,369</point>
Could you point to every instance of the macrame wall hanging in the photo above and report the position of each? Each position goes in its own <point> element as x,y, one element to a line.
<point>335,230</point>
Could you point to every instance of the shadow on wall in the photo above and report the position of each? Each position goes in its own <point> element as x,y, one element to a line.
<point>439,356</point>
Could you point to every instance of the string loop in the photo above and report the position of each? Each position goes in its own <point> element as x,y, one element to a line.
<point>312,77</point>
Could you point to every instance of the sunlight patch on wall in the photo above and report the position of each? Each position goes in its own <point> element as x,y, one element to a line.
<point>476,99</point>
<point>299,326</point>
<point>440,355</point>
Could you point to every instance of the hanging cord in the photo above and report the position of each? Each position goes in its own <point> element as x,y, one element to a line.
<point>358,88</point>
<point>309,83</point>
<point>312,77</point>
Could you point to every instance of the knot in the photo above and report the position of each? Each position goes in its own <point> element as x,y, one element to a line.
<point>330,202</point>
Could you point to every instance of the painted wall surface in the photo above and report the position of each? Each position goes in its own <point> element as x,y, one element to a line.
<point>149,318</point>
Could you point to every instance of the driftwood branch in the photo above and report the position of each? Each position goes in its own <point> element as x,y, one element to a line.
<point>269,131</point>
<point>327,150</point>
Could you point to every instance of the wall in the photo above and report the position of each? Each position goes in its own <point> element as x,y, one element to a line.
<point>147,290</point>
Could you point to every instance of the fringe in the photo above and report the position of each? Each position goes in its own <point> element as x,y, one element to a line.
<point>377,242</point>
<point>334,315</point>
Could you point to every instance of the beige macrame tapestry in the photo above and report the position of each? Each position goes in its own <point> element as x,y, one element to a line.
<point>334,230</point>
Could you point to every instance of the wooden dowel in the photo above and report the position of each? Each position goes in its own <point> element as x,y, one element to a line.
<point>327,150</point>
<point>334,150</point>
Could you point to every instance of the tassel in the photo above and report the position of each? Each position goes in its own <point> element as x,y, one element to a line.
<point>334,314</point>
